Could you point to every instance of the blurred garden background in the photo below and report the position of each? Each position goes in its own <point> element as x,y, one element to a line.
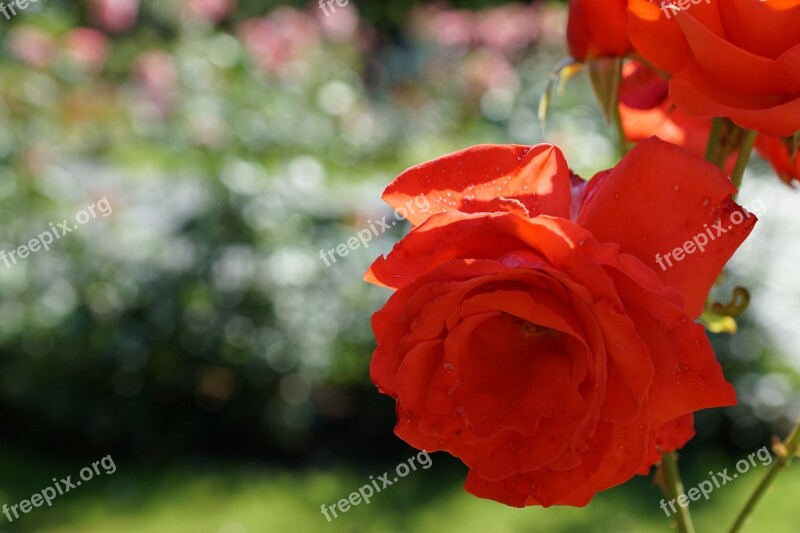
<point>195,334</point>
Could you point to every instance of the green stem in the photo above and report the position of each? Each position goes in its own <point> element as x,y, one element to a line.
<point>617,118</point>
<point>744,157</point>
<point>784,456</point>
<point>713,148</point>
<point>623,143</point>
<point>669,463</point>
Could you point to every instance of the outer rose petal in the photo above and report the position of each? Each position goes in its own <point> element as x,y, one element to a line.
<point>764,28</point>
<point>486,178</point>
<point>790,63</point>
<point>688,376</point>
<point>675,433</point>
<point>778,120</point>
<point>615,454</point>
<point>659,40</point>
<point>659,197</point>
<point>668,438</point>
<point>731,67</point>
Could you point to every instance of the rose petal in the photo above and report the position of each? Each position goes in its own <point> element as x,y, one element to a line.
<point>659,197</point>
<point>778,118</point>
<point>764,28</point>
<point>731,67</point>
<point>688,376</point>
<point>614,455</point>
<point>485,179</point>
<point>659,40</point>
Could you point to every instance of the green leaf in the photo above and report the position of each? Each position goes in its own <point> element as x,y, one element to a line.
<point>565,70</point>
<point>605,74</point>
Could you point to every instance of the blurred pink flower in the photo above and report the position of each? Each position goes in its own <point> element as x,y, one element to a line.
<point>157,79</point>
<point>259,37</point>
<point>281,38</point>
<point>489,69</point>
<point>114,16</point>
<point>341,27</point>
<point>552,23</point>
<point>447,27</point>
<point>87,48</point>
<point>210,10</point>
<point>509,28</point>
<point>32,46</point>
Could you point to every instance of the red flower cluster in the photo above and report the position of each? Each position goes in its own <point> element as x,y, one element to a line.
<point>530,333</point>
<point>740,61</point>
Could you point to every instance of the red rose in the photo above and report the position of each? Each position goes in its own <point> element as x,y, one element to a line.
<point>597,28</point>
<point>738,59</point>
<point>531,333</point>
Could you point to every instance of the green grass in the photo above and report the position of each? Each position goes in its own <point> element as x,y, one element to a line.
<point>253,498</point>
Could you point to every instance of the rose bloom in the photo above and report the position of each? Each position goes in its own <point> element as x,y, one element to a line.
<point>597,28</point>
<point>32,46</point>
<point>510,28</point>
<point>341,28</point>
<point>157,80</point>
<point>87,48</point>
<point>739,60</point>
<point>531,333</point>
<point>115,16</point>
<point>210,10</point>
<point>447,27</point>
<point>276,42</point>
